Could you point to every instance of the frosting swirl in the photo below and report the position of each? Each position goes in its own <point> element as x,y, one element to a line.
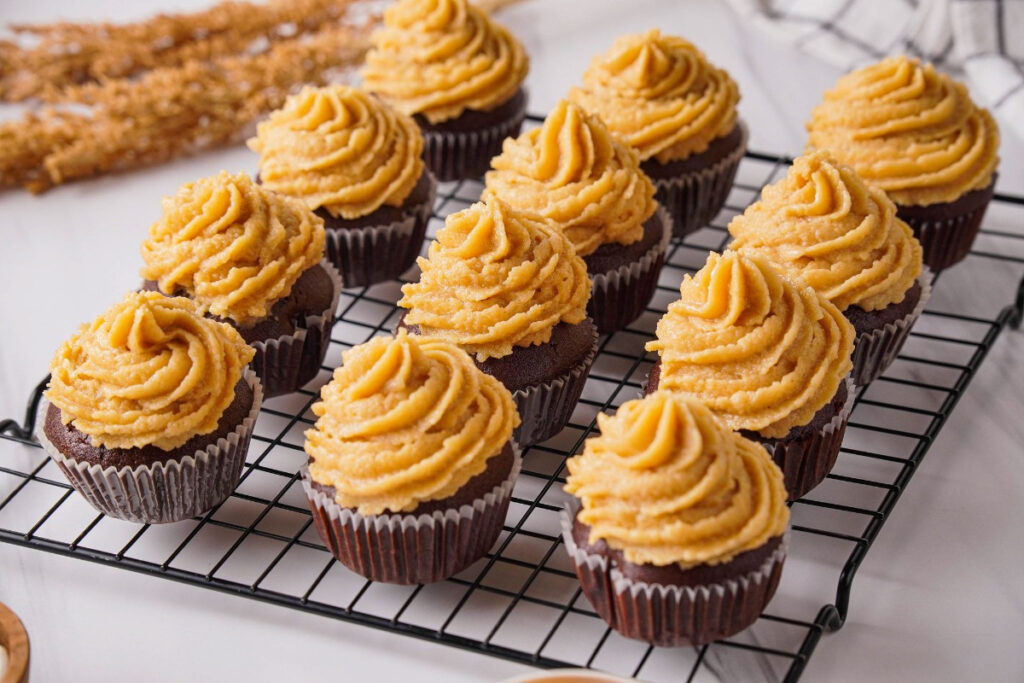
<point>666,483</point>
<point>761,352</point>
<point>825,225</point>
<point>151,370</point>
<point>660,95</point>
<point>573,172</point>
<point>233,246</point>
<point>495,278</point>
<point>439,58</point>
<point>908,129</point>
<point>341,149</point>
<point>406,419</point>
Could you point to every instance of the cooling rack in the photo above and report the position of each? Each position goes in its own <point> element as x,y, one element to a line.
<point>522,601</point>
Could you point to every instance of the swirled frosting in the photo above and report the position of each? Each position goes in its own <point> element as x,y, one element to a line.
<point>660,95</point>
<point>341,149</point>
<point>573,172</point>
<point>406,419</point>
<point>151,370</point>
<point>825,225</point>
<point>233,246</point>
<point>439,58</point>
<point>666,483</point>
<point>908,129</point>
<point>495,278</point>
<point>762,352</point>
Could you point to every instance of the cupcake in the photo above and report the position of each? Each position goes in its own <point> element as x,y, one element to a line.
<point>508,288</point>
<point>358,164</point>
<point>574,173</point>
<point>411,465</point>
<point>661,96</point>
<point>823,225</point>
<point>457,73</point>
<point>150,408</point>
<point>678,535</point>
<point>254,259</point>
<point>915,133</point>
<point>769,356</point>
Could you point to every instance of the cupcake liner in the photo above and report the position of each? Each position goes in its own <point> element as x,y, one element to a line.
<point>695,198</point>
<point>366,256</point>
<point>947,241</point>
<point>409,549</point>
<point>286,363</point>
<point>875,351</point>
<point>468,154</point>
<point>165,491</point>
<point>619,296</point>
<point>667,615</point>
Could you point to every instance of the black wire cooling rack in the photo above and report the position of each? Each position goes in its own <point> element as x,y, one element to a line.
<point>522,601</point>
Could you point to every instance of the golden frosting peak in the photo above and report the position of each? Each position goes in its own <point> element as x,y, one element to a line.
<point>233,246</point>
<point>572,171</point>
<point>908,129</point>
<point>660,95</point>
<point>151,370</point>
<point>666,483</point>
<point>405,420</point>
<point>496,278</point>
<point>826,226</point>
<point>762,352</point>
<point>341,149</point>
<point>439,58</point>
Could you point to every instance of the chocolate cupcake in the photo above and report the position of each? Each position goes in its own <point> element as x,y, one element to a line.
<point>150,408</point>
<point>823,225</point>
<point>916,134</point>
<point>410,463</point>
<point>459,74</point>
<point>769,356</point>
<point>574,173</point>
<point>508,288</point>
<point>661,96</point>
<point>678,537</point>
<point>358,164</point>
<point>254,259</point>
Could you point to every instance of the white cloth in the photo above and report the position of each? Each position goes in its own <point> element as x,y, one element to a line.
<point>981,40</point>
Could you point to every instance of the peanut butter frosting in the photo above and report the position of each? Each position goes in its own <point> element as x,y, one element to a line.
<point>151,370</point>
<point>341,149</point>
<point>439,58</point>
<point>495,278</point>
<point>660,95</point>
<point>233,246</point>
<point>573,172</point>
<point>825,225</point>
<point>908,129</point>
<point>762,352</point>
<point>406,419</point>
<point>666,483</point>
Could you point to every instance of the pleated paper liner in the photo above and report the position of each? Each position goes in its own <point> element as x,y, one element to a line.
<point>468,154</point>
<point>946,237</point>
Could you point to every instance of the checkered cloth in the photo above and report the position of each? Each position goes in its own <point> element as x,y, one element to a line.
<point>982,40</point>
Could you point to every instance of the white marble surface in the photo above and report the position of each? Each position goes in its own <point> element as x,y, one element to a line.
<point>939,597</point>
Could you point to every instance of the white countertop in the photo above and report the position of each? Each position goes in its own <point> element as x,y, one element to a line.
<point>938,598</point>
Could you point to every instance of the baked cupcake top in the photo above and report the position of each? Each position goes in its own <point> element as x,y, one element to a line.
<point>439,58</point>
<point>666,483</point>
<point>496,278</point>
<point>823,224</point>
<point>908,129</point>
<point>405,420</point>
<point>762,352</point>
<point>660,95</point>
<point>150,371</point>
<point>341,149</point>
<point>233,246</point>
<point>572,171</point>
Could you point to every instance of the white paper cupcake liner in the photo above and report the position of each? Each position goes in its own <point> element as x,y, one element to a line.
<point>165,491</point>
<point>468,154</point>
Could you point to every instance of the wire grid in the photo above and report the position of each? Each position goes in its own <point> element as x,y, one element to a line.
<point>523,601</point>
